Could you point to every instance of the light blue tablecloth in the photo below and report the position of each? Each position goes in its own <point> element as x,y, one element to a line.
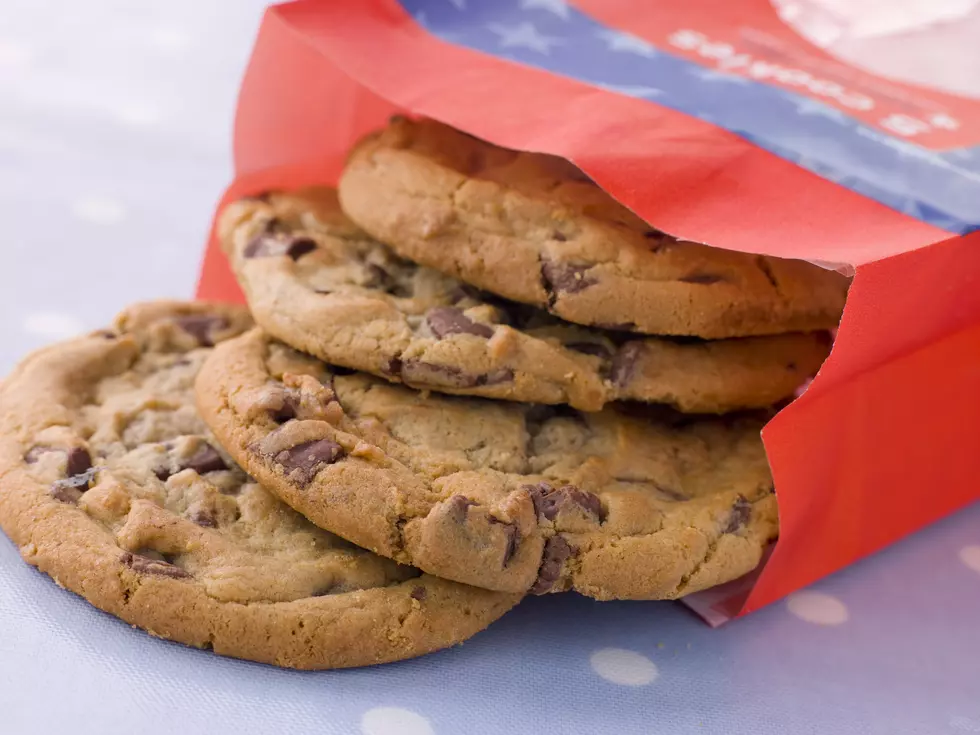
<point>114,130</point>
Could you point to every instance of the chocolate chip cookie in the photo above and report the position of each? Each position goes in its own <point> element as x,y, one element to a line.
<point>535,229</point>
<point>319,283</point>
<point>110,483</point>
<point>621,503</point>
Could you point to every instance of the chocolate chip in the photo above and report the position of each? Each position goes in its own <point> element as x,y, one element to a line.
<point>740,513</point>
<point>624,363</point>
<point>105,334</point>
<point>495,377</point>
<point>78,461</point>
<point>288,409</point>
<point>510,531</point>
<point>556,551</point>
<point>270,245</point>
<point>377,277</point>
<point>704,279</point>
<point>458,505</point>
<point>590,348</point>
<point>446,376</point>
<point>162,473</point>
<point>204,518</point>
<point>34,453</point>
<point>303,461</point>
<point>418,593</point>
<point>565,277</point>
<point>559,236</point>
<point>445,320</point>
<point>201,327</point>
<point>440,376</point>
<point>145,565</point>
<point>549,501</point>
<point>204,460</point>
<point>393,367</point>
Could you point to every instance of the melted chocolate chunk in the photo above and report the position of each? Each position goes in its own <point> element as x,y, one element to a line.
<point>78,461</point>
<point>565,277</point>
<point>204,518</point>
<point>705,279</point>
<point>549,501</point>
<point>270,245</point>
<point>204,460</point>
<point>510,530</point>
<point>303,461</point>
<point>289,408</point>
<point>740,514</point>
<point>440,376</point>
<point>445,320</point>
<point>418,593</point>
<point>201,327</point>
<point>393,367</point>
<point>556,551</point>
<point>446,376</point>
<point>495,377</point>
<point>145,565</point>
<point>624,363</point>
<point>458,505</point>
<point>590,348</point>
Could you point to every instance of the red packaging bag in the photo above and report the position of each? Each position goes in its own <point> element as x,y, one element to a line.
<point>717,124</point>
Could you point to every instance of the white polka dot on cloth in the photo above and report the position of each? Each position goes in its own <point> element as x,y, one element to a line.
<point>99,210</point>
<point>394,721</point>
<point>53,325</point>
<point>817,608</point>
<point>621,666</point>
<point>970,555</point>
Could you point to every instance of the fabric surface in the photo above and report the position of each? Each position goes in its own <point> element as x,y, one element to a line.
<point>114,131</point>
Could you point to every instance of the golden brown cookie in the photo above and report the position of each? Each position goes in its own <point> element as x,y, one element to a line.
<point>505,496</point>
<point>317,282</point>
<point>110,483</point>
<point>533,228</point>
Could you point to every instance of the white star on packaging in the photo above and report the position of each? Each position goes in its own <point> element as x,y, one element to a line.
<point>819,109</point>
<point>627,43</point>
<point>523,35</point>
<point>459,4</point>
<point>558,7</point>
<point>712,75</point>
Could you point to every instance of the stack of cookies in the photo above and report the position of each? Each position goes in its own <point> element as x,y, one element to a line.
<point>474,376</point>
